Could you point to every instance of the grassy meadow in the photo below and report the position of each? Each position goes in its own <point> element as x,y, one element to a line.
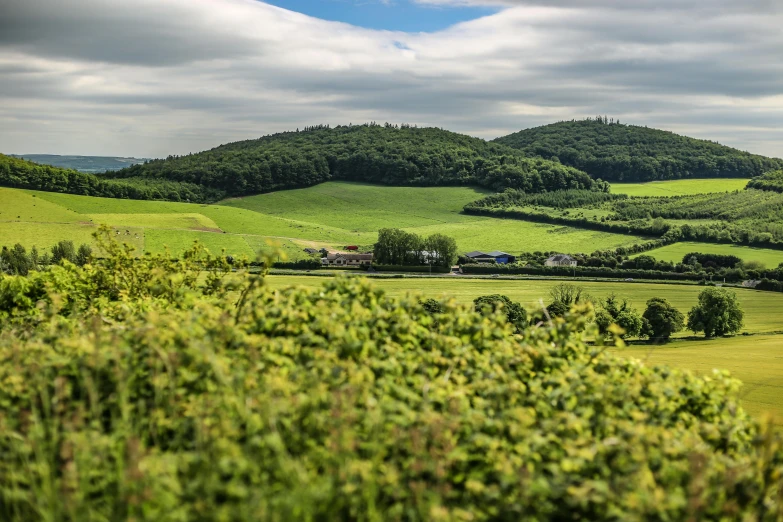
<point>329,215</point>
<point>679,187</point>
<point>675,252</point>
<point>763,310</point>
<point>756,360</point>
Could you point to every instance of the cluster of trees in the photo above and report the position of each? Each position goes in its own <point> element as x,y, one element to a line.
<point>18,261</point>
<point>398,247</point>
<point>616,152</point>
<point>717,313</point>
<point>19,173</point>
<point>772,181</point>
<point>386,154</point>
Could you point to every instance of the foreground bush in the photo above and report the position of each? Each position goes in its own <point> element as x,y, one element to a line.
<point>146,395</point>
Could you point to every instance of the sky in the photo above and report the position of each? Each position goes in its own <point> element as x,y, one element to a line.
<point>150,78</point>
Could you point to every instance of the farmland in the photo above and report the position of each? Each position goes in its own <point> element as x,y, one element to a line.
<point>674,253</point>
<point>763,310</point>
<point>331,214</point>
<point>756,360</point>
<point>679,187</point>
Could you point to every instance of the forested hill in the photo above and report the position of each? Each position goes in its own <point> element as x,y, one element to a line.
<point>18,173</point>
<point>617,152</point>
<point>385,154</point>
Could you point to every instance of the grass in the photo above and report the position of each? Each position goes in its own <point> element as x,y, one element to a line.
<point>177,241</point>
<point>16,205</point>
<point>680,187</point>
<point>763,310</point>
<point>331,215</point>
<point>675,252</point>
<point>756,360</point>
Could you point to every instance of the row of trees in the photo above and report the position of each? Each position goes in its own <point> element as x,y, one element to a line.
<point>717,313</point>
<point>18,261</point>
<point>772,181</point>
<point>617,152</point>
<point>398,247</point>
<point>19,173</point>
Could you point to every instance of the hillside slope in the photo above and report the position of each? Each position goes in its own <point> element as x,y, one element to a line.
<point>371,153</point>
<point>618,152</point>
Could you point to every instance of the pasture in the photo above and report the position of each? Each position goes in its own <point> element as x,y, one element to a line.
<point>763,310</point>
<point>679,187</point>
<point>756,360</point>
<point>328,215</point>
<point>675,252</point>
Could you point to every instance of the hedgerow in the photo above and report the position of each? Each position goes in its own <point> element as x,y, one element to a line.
<point>150,390</point>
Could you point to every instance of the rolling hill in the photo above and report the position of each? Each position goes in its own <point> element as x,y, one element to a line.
<point>92,164</point>
<point>388,155</point>
<point>618,152</point>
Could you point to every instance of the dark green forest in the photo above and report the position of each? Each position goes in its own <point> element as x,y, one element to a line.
<point>617,152</point>
<point>386,154</point>
<point>19,173</point>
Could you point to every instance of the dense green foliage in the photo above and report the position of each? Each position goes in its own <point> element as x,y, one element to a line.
<point>718,313</point>
<point>133,390</point>
<point>661,320</point>
<point>555,199</point>
<point>772,181</point>
<point>398,247</point>
<point>617,152</point>
<point>24,174</point>
<point>371,153</point>
<point>710,260</point>
<point>515,314</point>
<point>616,311</point>
<point>18,261</point>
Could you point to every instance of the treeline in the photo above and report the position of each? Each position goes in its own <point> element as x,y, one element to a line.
<point>772,181</point>
<point>616,152</point>
<point>556,199</point>
<point>387,154</point>
<point>18,261</point>
<point>19,173</point>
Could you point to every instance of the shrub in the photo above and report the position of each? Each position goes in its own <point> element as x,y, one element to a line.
<point>159,394</point>
<point>515,314</point>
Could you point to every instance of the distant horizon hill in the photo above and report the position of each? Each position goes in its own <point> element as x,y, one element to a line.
<point>91,164</point>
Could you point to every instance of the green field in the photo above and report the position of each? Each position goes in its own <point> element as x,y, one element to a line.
<point>676,251</point>
<point>763,310</point>
<point>756,360</point>
<point>328,215</point>
<point>679,187</point>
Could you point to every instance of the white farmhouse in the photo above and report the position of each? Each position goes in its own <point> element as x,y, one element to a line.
<point>560,260</point>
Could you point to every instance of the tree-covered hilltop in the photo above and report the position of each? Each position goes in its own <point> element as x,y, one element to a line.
<point>387,154</point>
<point>20,173</point>
<point>617,152</point>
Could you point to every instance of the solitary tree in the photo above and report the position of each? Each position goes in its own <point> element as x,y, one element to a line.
<point>615,311</point>
<point>718,313</point>
<point>661,320</point>
<point>515,314</point>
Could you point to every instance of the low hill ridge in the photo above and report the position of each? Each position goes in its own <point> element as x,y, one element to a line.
<point>386,154</point>
<point>617,152</point>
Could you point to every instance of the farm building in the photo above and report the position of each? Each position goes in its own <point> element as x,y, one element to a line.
<point>346,259</point>
<point>311,250</point>
<point>561,260</point>
<point>352,247</point>
<point>491,257</point>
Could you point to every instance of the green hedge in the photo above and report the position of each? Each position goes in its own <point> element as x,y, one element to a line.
<point>482,268</point>
<point>138,390</point>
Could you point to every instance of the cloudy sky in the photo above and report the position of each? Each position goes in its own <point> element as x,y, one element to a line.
<point>150,78</point>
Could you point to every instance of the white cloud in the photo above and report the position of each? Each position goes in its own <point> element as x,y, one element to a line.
<point>158,77</point>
